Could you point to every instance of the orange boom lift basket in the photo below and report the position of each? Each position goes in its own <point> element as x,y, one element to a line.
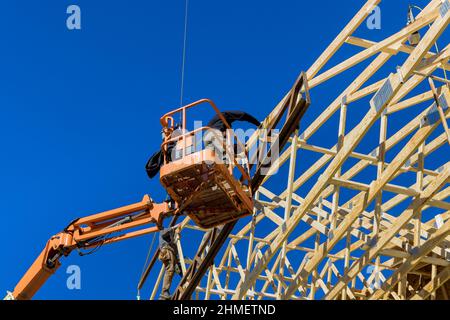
<point>203,180</point>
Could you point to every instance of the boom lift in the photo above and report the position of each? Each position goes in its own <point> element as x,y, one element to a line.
<point>201,184</point>
<point>292,108</point>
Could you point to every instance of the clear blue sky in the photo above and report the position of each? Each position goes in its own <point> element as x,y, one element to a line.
<point>80,109</point>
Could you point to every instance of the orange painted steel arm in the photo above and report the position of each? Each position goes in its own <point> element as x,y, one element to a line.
<point>91,232</point>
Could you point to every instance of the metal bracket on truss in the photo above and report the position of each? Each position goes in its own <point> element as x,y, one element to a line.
<point>383,95</point>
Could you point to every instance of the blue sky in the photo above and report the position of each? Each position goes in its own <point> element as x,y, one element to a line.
<point>79,110</point>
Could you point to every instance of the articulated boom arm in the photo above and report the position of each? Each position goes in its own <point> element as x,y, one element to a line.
<point>89,233</point>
